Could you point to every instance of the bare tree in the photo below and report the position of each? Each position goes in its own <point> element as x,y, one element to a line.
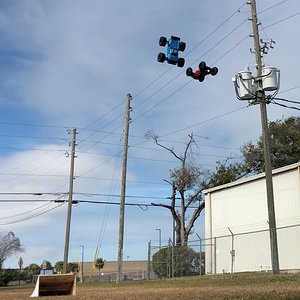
<point>186,182</point>
<point>9,245</point>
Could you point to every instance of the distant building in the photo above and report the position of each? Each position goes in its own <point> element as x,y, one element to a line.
<point>132,270</point>
<point>236,223</point>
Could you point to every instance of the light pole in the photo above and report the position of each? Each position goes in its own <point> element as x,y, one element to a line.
<point>159,236</point>
<point>82,258</point>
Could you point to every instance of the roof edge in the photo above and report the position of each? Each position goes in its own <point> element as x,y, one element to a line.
<point>252,178</point>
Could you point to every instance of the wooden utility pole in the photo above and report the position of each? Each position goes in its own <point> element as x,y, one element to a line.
<point>265,135</point>
<point>70,201</point>
<point>123,189</point>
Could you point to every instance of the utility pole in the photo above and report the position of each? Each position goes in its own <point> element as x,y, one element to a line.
<point>265,135</point>
<point>123,189</point>
<point>70,201</point>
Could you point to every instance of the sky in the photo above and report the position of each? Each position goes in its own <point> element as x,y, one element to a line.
<point>70,64</point>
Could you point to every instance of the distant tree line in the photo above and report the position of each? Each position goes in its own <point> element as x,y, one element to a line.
<point>11,245</point>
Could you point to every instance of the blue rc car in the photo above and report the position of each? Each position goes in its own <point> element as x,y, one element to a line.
<point>171,56</point>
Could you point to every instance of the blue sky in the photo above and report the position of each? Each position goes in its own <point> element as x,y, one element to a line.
<point>66,64</point>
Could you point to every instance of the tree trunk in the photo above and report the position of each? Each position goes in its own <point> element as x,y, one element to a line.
<point>178,233</point>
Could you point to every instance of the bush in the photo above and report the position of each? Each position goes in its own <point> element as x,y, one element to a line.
<point>186,262</point>
<point>7,276</point>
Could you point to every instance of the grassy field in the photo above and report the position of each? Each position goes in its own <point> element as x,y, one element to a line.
<point>243,286</point>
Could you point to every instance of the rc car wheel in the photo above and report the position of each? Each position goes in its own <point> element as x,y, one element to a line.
<point>162,41</point>
<point>214,71</point>
<point>161,57</point>
<point>201,78</point>
<point>202,66</point>
<point>189,71</point>
<point>180,62</point>
<point>182,46</point>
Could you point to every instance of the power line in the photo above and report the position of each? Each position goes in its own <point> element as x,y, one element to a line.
<point>205,121</point>
<point>105,218</point>
<point>217,28</point>
<point>32,125</point>
<point>36,159</point>
<point>32,137</point>
<point>290,89</point>
<point>36,214</point>
<point>155,106</point>
<point>282,20</point>
<point>271,7</point>
<point>26,212</point>
<point>181,87</point>
<point>226,36</point>
<point>286,100</point>
<point>31,149</point>
<point>163,100</point>
<point>285,106</point>
<point>195,47</point>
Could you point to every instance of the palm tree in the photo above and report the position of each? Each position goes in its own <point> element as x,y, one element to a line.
<point>99,264</point>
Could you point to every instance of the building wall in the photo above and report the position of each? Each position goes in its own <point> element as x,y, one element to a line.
<point>132,270</point>
<point>241,207</point>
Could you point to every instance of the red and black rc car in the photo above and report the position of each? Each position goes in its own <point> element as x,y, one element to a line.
<point>202,72</point>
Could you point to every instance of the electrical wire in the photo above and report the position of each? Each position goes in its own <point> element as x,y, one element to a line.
<point>187,83</point>
<point>126,203</point>
<point>32,125</point>
<point>282,20</point>
<point>290,89</point>
<point>26,212</point>
<point>109,133</point>
<point>271,7</point>
<point>181,87</point>
<point>32,137</point>
<point>27,218</point>
<point>159,77</point>
<point>205,121</point>
<point>188,53</point>
<point>286,100</point>
<point>105,218</point>
<point>285,106</point>
<point>223,57</point>
<point>226,36</point>
<point>36,158</point>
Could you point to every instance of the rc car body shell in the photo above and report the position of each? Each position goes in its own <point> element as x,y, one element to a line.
<point>174,45</point>
<point>202,72</point>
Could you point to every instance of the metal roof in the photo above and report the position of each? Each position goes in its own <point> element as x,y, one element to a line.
<point>252,178</point>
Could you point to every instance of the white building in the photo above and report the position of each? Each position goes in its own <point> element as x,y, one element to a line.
<point>236,223</point>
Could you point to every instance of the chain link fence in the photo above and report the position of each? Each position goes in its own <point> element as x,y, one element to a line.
<point>176,261</point>
<point>232,253</point>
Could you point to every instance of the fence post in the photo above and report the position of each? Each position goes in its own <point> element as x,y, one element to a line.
<point>172,261</point>
<point>200,263</point>
<point>200,257</point>
<point>232,252</point>
<point>149,260</point>
<point>215,255</point>
<point>169,259</point>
